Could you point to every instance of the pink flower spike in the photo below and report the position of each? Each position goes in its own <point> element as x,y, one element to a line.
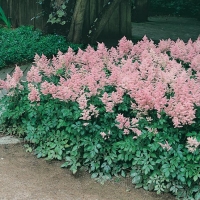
<point>34,95</point>
<point>165,146</point>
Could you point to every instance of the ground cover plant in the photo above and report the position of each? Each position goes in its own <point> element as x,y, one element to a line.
<point>21,44</point>
<point>133,110</point>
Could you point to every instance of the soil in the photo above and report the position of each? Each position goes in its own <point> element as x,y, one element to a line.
<point>24,177</point>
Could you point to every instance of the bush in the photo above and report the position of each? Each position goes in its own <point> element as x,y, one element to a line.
<point>132,111</point>
<point>182,8</point>
<point>21,44</point>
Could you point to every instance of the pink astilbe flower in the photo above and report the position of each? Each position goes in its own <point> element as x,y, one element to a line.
<point>141,46</point>
<point>93,110</point>
<point>85,115</point>
<point>164,45</point>
<point>106,99</point>
<point>117,97</point>
<point>126,131</point>
<point>102,52</point>
<point>33,75</point>
<point>110,100</point>
<point>89,112</point>
<point>192,144</point>
<point>85,124</point>
<point>153,79</point>
<point>34,95</point>
<point>184,51</point>
<point>46,87</point>
<point>18,73</point>
<point>63,61</point>
<point>181,106</point>
<point>82,101</point>
<point>165,145</point>
<point>195,63</point>
<point>152,130</point>
<point>12,81</point>
<point>64,93</point>
<point>124,46</point>
<point>178,50</point>
<point>122,121</point>
<point>44,65</point>
<point>137,131</point>
<point>128,125</point>
<point>103,135</point>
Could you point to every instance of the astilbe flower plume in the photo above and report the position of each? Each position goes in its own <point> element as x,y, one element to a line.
<point>165,146</point>
<point>34,95</point>
<point>33,75</point>
<point>151,76</point>
<point>13,81</point>
<point>192,144</point>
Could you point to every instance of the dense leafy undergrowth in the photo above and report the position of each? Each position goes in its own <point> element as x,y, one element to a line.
<point>183,8</point>
<point>21,44</point>
<point>131,111</point>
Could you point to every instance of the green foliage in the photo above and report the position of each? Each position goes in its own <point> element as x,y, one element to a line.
<point>183,8</point>
<point>61,11</point>
<point>3,18</point>
<point>21,44</point>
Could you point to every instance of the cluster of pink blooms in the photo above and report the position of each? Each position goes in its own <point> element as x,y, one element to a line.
<point>12,82</point>
<point>150,74</point>
<point>33,75</point>
<point>192,144</point>
<point>34,95</point>
<point>165,145</point>
<point>128,125</point>
<point>110,100</point>
<point>104,135</point>
<point>89,112</point>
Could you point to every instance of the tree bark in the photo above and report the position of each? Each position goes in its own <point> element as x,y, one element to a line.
<point>100,22</point>
<point>75,32</point>
<point>140,13</point>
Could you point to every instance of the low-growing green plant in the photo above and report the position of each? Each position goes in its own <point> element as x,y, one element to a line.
<point>131,111</point>
<point>21,44</point>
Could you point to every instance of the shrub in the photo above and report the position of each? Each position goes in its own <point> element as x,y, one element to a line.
<point>21,44</point>
<point>182,8</point>
<point>130,111</point>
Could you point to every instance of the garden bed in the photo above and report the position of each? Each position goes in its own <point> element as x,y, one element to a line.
<point>130,111</point>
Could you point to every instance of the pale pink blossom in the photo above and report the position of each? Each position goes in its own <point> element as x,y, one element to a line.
<point>103,134</point>
<point>165,145</point>
<point>82,101</point>
<point>13,81</point>
<point>192,144</point>
<point>34,95</point>
<point>126,131</point>
<point>33,75</point>
<point>85,115</point>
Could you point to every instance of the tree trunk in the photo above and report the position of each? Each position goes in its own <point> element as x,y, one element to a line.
<point>140,13</point>
<point>100,22</point>
<point>75,32</point>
